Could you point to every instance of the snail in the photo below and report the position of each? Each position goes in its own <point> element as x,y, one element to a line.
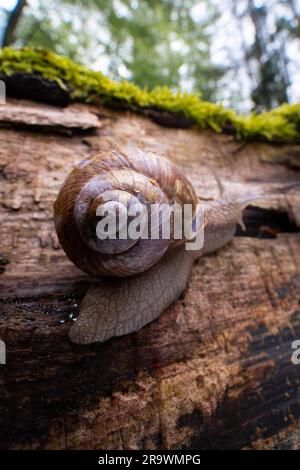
<point>139,278</point>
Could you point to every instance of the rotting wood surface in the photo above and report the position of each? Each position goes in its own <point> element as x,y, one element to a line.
<point>214,371</point>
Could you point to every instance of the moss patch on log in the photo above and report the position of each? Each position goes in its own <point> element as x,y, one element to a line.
<point>82,84</point>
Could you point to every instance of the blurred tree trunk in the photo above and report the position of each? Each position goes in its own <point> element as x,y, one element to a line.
<point>295,9</point>
<point>12,23</point>
<point>266,60</point>
<point>270,58</point>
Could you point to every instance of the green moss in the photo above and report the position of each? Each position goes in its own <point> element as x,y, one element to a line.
<point>281,124</point>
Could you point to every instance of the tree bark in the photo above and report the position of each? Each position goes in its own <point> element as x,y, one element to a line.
<point>215,370</point>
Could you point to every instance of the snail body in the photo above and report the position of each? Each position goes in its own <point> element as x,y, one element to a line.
<point>139,278</point>
<point>115,307</point>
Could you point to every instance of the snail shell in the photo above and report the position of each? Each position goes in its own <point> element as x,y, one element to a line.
<point>114,307</point>
<point>106,180</point>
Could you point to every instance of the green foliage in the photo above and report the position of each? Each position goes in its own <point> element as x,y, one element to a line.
<point>157,42</point>
<point>281,124</point>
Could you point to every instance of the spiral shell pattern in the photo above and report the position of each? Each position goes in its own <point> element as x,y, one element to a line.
<point>106,180</point>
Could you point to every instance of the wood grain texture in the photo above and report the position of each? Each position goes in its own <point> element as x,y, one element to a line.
<point>47,119</point>
<point>214,371</point>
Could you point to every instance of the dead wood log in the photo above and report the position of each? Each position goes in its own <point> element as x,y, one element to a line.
<point>214,371</point>
<point>47,119</point>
